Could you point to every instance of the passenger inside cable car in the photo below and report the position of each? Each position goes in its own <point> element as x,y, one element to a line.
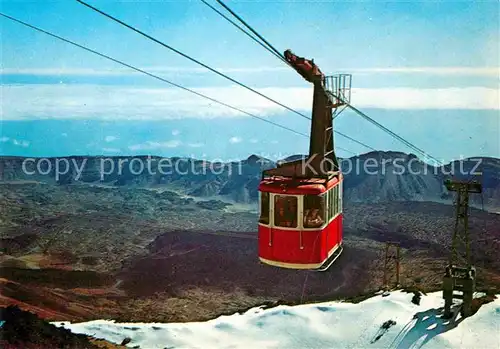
<point>285,211</point>
<point>314,211</point>
<point>312,219</point>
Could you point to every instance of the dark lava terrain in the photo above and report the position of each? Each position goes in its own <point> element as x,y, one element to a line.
<point>78,252</point>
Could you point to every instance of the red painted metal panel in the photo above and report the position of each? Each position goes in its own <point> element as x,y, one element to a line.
<point>265,251</point>
<point>286,243</point>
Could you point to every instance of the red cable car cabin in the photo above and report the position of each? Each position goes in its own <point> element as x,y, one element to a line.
<point>300,225</point>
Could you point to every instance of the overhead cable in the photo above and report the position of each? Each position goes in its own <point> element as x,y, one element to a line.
<point>150,74</point>
<point>190,58</point>
<point>251,29</point>
<point>279,56</point>
<point>393,134</point>
<point>385,129</point>
<point>204,65</point>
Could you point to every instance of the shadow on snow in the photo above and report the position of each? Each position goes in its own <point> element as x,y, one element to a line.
<point>426,325</point>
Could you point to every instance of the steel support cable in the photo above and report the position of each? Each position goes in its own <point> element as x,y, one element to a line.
<point>393,134</point>
<point>352,139</point>
<point>152,75</point>
<point>272,51</point>
<point>158,77</point>
<point>207,67</point>
<point>279,56</point>
<point>275,52</point>
<point>251,29</point>
<point>190,58</point>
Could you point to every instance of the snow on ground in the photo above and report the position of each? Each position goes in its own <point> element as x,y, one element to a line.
<point>325,325</point>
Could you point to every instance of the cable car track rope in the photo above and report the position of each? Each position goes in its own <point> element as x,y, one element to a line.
<point>190,58</point>
<point>153,75</point>
<point>274,53</point>
<point>212,69</point>
<point>357,111</point>
<point>273,50</point>
<point>271,47</point>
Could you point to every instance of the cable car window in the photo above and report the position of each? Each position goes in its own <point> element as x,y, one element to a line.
<point>314,211</point>
<point>264,208</point>
<point>330,205</point>
<point>285,211</point>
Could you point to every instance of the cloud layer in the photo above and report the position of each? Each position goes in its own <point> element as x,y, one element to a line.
<point>456,71</point>
<point>122,102</point>
<point>127,71</point>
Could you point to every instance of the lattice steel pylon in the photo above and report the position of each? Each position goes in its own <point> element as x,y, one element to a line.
<point>460,274</point>
<point>392,253</point>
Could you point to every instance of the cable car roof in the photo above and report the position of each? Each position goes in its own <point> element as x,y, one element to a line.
<point>297,186</point>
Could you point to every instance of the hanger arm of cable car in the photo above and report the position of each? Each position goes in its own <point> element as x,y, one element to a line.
<point>304,67</point>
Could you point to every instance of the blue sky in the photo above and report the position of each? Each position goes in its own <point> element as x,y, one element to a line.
<point>427,70</point>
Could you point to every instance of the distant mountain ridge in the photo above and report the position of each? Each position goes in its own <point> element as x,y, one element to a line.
<point>376,176</point>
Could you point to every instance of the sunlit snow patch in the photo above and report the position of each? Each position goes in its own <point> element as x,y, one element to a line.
<point>379,322</point>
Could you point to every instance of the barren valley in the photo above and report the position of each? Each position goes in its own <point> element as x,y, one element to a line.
<point>79,252</point>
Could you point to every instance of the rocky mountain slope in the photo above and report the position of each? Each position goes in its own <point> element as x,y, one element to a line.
<point>371,177</point>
